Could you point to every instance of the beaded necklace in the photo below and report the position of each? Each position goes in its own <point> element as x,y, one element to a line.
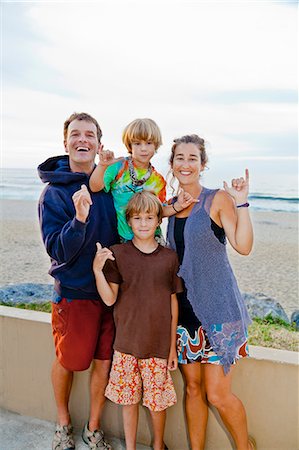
<point>133,175</point>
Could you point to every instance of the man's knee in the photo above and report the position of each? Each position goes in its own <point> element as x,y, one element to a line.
<point>102,368</point>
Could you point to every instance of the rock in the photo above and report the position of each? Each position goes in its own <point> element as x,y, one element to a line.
<point>26,293</point>
<point>295,319</point>
<point>260,306</point>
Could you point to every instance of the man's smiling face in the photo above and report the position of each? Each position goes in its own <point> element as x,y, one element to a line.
<point>82,145</point>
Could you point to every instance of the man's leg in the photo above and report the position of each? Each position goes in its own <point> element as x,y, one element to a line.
<point>92,435</point>
<point>62,384</point>
<point>103,329</point>
<point>98,383</point>
<point>101,324</point>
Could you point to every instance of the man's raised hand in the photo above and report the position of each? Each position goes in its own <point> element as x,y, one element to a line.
<point>82,202</point>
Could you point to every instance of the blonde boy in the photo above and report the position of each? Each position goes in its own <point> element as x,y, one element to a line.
<point>126,176</point>
<point>140,277</point>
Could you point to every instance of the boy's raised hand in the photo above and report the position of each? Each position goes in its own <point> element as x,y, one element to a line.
<point>101,257</point>
<point>107,158</point>
<point>185,199</point>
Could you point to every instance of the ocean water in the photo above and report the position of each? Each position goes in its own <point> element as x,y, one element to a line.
<point>274,193</point>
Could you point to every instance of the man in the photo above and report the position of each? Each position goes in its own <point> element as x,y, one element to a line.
<point>72,221</point>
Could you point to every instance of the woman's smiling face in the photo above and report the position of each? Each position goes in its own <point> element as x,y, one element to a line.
<point>186,164</point>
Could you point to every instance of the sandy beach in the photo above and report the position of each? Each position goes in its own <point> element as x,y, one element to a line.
<point>271,268</point>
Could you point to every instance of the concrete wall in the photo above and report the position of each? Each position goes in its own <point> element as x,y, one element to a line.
<point>267,384</point>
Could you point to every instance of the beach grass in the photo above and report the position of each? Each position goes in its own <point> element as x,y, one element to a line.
<point>274,333</point>
<point>43,307</point>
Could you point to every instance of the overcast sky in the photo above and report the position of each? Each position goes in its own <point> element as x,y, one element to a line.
<point>223,69</point>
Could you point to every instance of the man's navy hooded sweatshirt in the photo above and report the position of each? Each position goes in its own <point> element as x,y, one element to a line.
<point>71,244</point>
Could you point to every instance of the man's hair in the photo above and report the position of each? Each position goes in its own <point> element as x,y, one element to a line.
<point>81,116</point>
<point>144,202</point>
<point>142,130</point>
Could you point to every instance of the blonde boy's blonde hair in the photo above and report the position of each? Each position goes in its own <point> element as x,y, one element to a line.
<point>144,202</point>
<point>142,130</point>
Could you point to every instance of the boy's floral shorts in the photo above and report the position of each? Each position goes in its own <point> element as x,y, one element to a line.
<point>131,377</point>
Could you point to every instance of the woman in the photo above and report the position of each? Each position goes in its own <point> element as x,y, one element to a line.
<point>212,331</point>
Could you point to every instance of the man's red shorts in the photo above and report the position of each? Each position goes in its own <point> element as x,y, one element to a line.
<point>83,330</point>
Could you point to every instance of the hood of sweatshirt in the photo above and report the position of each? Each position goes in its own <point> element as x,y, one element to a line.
<point>56,170</point>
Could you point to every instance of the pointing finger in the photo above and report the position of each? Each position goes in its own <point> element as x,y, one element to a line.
<point>247,175</point>
<point>99,247</point>
<point>84,187</point>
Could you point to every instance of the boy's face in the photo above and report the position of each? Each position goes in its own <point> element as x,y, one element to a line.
<point>144,225</point>
<point>142,153</point>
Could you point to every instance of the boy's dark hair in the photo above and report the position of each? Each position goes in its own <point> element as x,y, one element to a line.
<point>144,202</point>
<point>81,116</point>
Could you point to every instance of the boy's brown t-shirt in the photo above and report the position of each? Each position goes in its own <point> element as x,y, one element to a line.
<point>142,312</point>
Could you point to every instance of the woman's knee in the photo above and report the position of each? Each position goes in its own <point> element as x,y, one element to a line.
<point>195,388</point>
<point>214,398</point>
<point>219,398</point>
<point>218,387</point>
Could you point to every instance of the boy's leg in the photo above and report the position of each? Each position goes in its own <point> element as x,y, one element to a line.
<point>126,393</point>
<point>158,394</point>
<point>158,421</point>
<point>130,420</point>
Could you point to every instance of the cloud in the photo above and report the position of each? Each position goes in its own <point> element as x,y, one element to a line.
<point>211,45</point>
<point>226,70</point>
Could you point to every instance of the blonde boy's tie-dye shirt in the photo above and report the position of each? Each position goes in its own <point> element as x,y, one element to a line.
<point>117,180</point>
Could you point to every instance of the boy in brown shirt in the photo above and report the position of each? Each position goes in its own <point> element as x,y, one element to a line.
<point>141,277</point>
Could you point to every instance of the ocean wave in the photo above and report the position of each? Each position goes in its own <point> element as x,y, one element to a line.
<point>23,184</point>
<point>258,196</point>
<point>273,209</point>
<point>11,186</point>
